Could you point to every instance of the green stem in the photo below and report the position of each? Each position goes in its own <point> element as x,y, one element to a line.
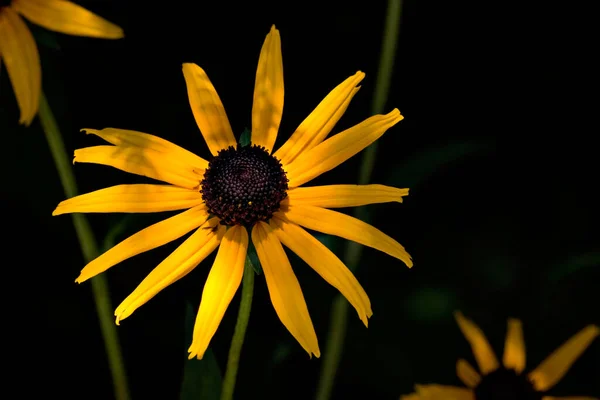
<point>239,333</point>
<point>89,249</point>
<point>334,345</point>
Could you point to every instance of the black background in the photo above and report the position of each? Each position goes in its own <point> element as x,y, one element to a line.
<point>496,146</point>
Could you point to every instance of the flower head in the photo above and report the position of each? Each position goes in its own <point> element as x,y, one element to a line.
<point>19,52</point>
<point>506,381</point>
<point>244,193</point>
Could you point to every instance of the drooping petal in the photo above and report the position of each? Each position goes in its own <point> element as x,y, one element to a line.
<point>337,149</point>
<point>223,281</point>
<point>556,365</point>
<point>443,392</point>
<point>147,239</point>
<point>514,347</point>
<point>19,53</point>
<point>484,355</point>
<point>342,225</point>
<point>125,137</point>
<point>284,289</point>
<point>208,109</point>
<point>569,398</point>
<point>267,106</point>
<point>141,161</point>
<point>467,374</point>
<point>67,17</point>
<point>333,196</point>
<point>177,265</point>
<point>325,263</point>
<point>137,198</point>
<point>315,128</point>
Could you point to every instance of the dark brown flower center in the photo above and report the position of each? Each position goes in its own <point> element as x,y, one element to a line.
<point>5,3</point>
<point>506,384</point>
<point>244,185</point>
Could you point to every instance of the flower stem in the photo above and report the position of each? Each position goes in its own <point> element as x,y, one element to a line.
<point>89,249</point>
<point>239,333</point>
<point>339,310</point>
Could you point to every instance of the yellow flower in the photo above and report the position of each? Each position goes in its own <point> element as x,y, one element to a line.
<point>507,381</point>
<point>19,52</point>
<point>243,189</point>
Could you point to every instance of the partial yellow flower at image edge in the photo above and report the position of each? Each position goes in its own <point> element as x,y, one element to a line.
<point>18,50</point>
<point>508,377</point>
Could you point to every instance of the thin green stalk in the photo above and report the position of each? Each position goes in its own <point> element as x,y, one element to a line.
<point>239,333</point>
<point>89,249</point>
<point>334,344</point>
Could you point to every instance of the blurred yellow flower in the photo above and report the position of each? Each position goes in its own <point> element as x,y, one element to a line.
<point>19,52</point>
<point>496,381</point>
<point>244,191</point>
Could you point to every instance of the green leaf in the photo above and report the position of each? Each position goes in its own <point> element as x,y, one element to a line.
<point>421,166</point>
<point>254,261</point>
<point>245,138</point>
<point>329,241</point>
<point>117,230</point>
<point>201,378</point>
<point>44,37</point>
<point>573,265</point>
<point>281,352</point>
<point>427,304</point>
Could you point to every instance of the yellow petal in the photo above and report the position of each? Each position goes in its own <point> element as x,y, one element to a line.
<point>177,265</point>
<point>569,398</point>
<point>337,149</point>
<point>442,392</point>
<point>315,128</point>
<point>207,109</point>
<point>20,55</point>
<point>267,106</point>
<point>284,289</point>
<point>333,196</point>
<point>150,238</point>
<point>140,161</point>
<point>325,263</point>
<point>484,355</point>
<point>514,347</point>
<point>66,17</point>
<point>556,365</point>
<point>342,225</point>
<point>467,374</point>
<point>223,281</point>
<point>125,137</point>
<point>139,198</point>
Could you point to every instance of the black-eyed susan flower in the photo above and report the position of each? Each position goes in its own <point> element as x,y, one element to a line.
<point>18,50</point>
<point>244,191</point>
<point>507,381</point>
